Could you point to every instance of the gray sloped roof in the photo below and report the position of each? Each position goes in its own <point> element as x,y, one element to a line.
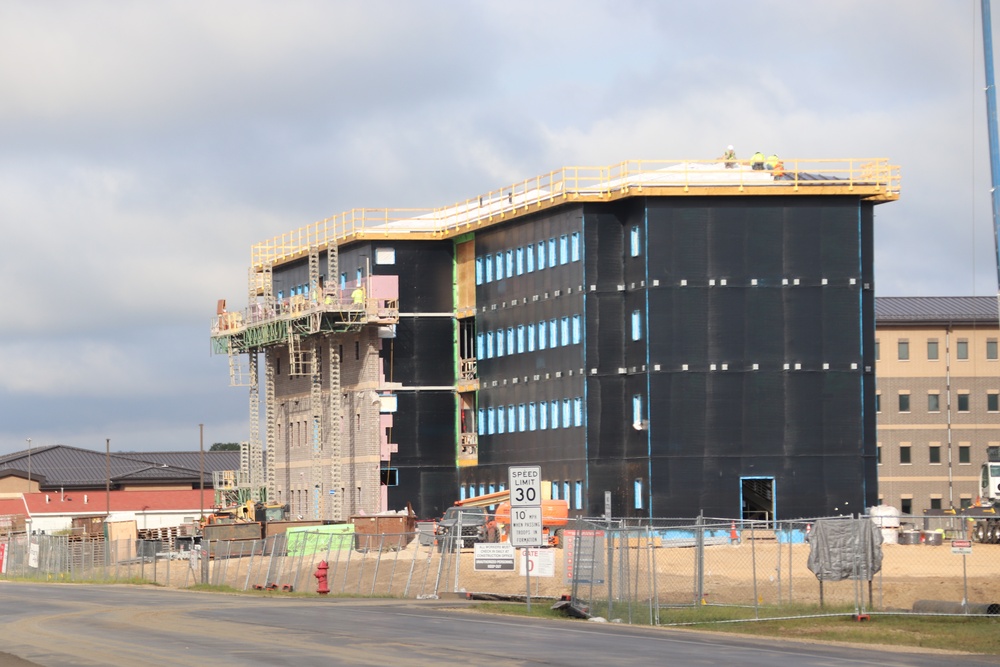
<point>935,309</point>
<point>219,460</point>
<point>64,466</point>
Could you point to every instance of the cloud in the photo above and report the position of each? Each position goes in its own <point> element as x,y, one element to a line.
<point>147,146</point>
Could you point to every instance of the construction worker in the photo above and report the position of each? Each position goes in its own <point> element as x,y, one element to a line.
<point>358,296</point>
<point>757,161</point>
<point>774,165</point>
<point>730,157</point>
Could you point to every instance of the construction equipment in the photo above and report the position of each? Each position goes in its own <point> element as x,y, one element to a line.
<point>555,515</point>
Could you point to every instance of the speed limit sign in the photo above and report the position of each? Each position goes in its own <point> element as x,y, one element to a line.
<point>525,486</point>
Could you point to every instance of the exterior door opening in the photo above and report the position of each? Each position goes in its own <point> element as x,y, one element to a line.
<point>757,498</point>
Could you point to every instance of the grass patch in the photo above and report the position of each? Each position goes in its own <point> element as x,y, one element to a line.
<point>950,633</point>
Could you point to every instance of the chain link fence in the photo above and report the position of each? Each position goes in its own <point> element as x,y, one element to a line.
<point>663,571</point>
<point>677,572</point>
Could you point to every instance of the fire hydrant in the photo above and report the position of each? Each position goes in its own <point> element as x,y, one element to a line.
<point>320,574</point>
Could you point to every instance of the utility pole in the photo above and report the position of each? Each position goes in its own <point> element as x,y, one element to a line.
<point>107,473</point>
<point>201,450</point>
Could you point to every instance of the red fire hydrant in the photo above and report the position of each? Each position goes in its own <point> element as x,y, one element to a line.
<point>320,574</point>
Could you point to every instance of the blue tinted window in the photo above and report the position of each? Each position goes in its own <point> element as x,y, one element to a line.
<point>530,260</point>
<point>633,241</point>
<point>579,494</point>
<point>636,325</point>
<point>553,333</point>
<point>541,255</point>
<point>577,412</point>
<point>522,417</point>
<point>637,485</point>
<point>491,421</point>
<point>574,247</point>
<point>577,333</point>
<point>489,344</point>
<point>499,265</point>
<point>563,249</point>
<point>479,270</point>
<point>520,261</point>
<point>532,416</point>
<point>567,414</point>
<point>520,339</point>
<point>510,340</point>
<point>500,343</point>
<point>542,339</point>
<point>501,420</point>
<point>564,329</point>
<point>480,347</point>
<point>553,257</point>
<point>554,414</point>
<point>481,422</point>
<point>531,338</point>
<point>543,416</point>
<point>511,416</point>
<point>510,263</point>
<point>488,262</point>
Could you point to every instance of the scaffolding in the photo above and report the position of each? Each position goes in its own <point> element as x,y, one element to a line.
<point>301,324</point>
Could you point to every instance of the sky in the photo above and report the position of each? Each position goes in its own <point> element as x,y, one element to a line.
<point>145,147</point>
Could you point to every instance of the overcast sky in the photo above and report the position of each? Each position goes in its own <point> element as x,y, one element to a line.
<point>144,147</point>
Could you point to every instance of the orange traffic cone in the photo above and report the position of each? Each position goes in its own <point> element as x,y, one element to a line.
<point>733,535</point>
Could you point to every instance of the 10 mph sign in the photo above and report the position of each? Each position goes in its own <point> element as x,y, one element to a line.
<point>525,486</point>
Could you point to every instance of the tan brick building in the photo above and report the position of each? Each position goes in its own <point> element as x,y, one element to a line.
<point>938,398</point>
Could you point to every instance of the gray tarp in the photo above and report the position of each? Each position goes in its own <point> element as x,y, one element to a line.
<point>845,549</point>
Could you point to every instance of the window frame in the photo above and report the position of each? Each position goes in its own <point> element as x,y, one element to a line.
<point>634,241</point>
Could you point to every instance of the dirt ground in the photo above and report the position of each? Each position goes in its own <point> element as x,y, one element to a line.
<point>762,571</point>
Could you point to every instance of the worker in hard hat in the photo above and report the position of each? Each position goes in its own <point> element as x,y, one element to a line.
<point>730,157</point>
<point>358,296</point>
<point>757,161</point>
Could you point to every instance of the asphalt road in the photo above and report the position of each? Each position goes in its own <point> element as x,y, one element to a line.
<point>66,626</point>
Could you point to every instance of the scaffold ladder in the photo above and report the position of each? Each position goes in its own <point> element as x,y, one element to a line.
<point>316,408</point>
<point>333,433</point>
<point>269,420</point>
<point>239,370</point>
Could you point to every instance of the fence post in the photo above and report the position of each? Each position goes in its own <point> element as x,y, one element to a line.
<point>753,561</point>
<point>699,559</point>
<point>791,567</point>
<point>205,551</point>
<point>611,567</point>
<point>777,540</point>
<point>654,602</point>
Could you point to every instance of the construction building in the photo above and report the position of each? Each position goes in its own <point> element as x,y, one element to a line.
<point>938,398</point>
<point>661,337</point>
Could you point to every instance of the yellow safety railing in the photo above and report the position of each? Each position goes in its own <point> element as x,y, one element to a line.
<point>871,178</point>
